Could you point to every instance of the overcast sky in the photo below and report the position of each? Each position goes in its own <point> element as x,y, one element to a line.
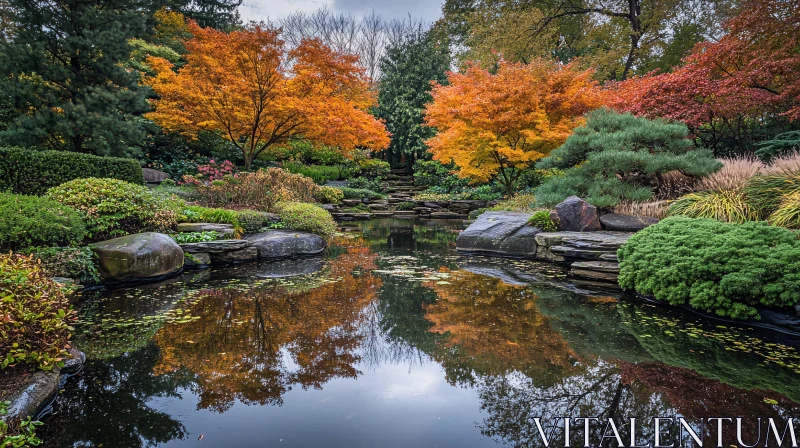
<point>428,10</point>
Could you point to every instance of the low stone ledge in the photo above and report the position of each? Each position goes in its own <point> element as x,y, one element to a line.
<point>222,229</point>
<point>215,247</point>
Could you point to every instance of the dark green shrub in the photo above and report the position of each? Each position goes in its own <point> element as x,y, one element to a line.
<point>319,173</point>
<point>329,195</point>
<point>251,221</point>
<point>366,183</point>
<point>35,313</point>
<point>114,207</point>
<point>307,217</point>
<point>71,262</point>
<point>783,143</point>
<point>359,193</point>
<point>541,219</point>
<point>431,173</point>
<point>27,221</point>
<point>25,171</point>
<point>727,269</point>
<point>616,157</point>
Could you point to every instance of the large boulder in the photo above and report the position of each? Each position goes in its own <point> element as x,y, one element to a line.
<point>138,256</point>
<point>625,223</point>
<point>152,176</point>
<point>500,233</point>
<point>286,244</point>
<point>576,215</point>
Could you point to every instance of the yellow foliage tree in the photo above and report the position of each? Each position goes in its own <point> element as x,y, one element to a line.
<point>495,125</point>
<point>247,87</point>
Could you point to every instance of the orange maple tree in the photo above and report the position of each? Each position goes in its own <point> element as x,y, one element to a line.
<point>495,125</point>
<point>245,86</point>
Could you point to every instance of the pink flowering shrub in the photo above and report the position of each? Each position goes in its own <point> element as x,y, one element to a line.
<point>210,172</point>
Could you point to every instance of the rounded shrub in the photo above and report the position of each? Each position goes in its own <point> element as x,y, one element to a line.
<point>726,269</point>
<point>541,219</point>
<point>30,221</point>
<point>35,313</point>
<point>307,217</point>
<point>329,195</point>
<point>724,205</point>
<point>251,220</point>
<point>113,207</point>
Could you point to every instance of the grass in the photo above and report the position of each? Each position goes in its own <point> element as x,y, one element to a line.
<point>726,206</point>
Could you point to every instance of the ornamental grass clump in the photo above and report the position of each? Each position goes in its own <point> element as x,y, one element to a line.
<point>727,269</point>
<point>725,205</point>
<point>788,212</point>
<point>766,192</point>
<point>112,207</point>
<point>541,219</point>
<point>733,175</point>
<point>34,314</point>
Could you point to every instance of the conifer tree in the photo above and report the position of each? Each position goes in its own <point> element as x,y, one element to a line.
<point>64,69</point>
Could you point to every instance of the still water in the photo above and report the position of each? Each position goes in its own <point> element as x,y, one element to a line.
<point>393,340</point>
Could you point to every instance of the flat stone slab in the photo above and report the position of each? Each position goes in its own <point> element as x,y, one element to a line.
<point>215,247</point>
<point>500,233</point>
<point>138,256</point>
<point>596,270</point>
<point>600,240</point>
<point>286,244</point>
<point>446,215</point>
<point>224,229</point>
<point>248,253</point>
<point>626,223</point>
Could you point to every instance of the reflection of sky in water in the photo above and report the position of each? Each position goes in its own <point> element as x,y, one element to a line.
<point>397,342</point>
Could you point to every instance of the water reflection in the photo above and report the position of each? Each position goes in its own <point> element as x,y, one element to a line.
<point>460,352</point>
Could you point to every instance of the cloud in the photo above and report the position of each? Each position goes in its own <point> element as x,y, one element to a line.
<point>390,9</point>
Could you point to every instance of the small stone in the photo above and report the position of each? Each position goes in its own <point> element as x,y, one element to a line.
<point>625,223</point>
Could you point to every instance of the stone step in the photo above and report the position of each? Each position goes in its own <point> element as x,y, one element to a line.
<point>595,270</point>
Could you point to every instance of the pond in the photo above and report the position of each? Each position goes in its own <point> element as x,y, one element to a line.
<point>394,340</point>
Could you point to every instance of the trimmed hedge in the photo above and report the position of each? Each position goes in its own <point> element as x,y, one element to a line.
<point>25,171</point>
<point>30,221</point>
<point>727,269</point>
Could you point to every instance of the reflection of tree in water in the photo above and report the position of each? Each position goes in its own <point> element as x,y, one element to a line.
<point>494,329</point>
<point>255,343</point>
<point>106,405</point>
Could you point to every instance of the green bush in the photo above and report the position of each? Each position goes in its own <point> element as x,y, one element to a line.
<point>196,213</point>
<point>359,193</point>
<point>71,262</point>
<point>329,195</point>
<point>541,219</point>
<point>366,183</point>
<point>407,205</point>
<point>616,157</point>
<point>725,205</point>
<point>27,221</point>
<point>35,313</point>
<point>251,220</point>
<point>727,269</point>
<point>307,217</point>
<point>113,207</point>
<point>25,171</point>
<point>319,173</point>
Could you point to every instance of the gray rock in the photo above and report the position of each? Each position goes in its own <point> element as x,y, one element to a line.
<point>351,202</point>
<point>248,253</point>
<point>141,255</point>
<point>223,229</point>
<point>214,247</point>
<point>560,246</point>
<point>596,270</point>
<point>39,390</point>
<point>74,363</point>
<point>500,233</point>
<point>286,244</point>
<point>152,176</point>
<point>431,205</point>
<point>197,259</point>
<point>446,215</point>
<point>625,223</point>
<point>576,215</point>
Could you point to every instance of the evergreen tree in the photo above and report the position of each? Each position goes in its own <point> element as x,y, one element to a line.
<point>618,157</point>
<point>218,14</point>
<point>64,69</point>
<point>408,68</point>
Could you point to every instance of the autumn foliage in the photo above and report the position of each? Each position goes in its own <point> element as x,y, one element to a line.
<point>495,125</point>
<point>751,73</point>
<point>245,86</point>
